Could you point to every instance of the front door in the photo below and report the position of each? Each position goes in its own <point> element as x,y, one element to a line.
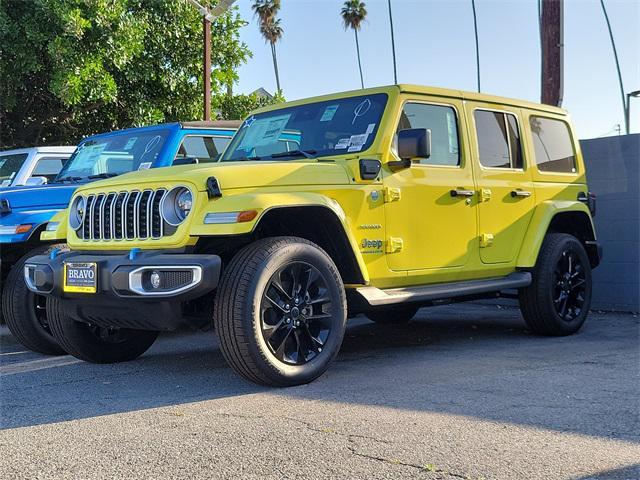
<point>428,227</point>
<point>505,185</point>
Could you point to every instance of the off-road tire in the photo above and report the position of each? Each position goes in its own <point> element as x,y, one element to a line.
<point>20,312</point>
<point>238,315</point>
<point>393,315</point>
<point>80,339</point>
<point>537,302</point>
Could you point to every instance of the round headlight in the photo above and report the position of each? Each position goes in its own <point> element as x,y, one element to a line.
<point>176,205</point>
<point>76,212</point>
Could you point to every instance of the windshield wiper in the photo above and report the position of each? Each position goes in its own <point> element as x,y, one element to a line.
<point>67,179</point>
<point>295,153</point>
<point>104,175</point>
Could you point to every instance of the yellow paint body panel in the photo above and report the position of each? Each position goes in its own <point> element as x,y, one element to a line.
<point>60,233</point>
<point>404,227</point>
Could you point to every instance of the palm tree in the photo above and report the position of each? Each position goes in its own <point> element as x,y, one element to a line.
<point>270,28</point>
<point>353,14</point>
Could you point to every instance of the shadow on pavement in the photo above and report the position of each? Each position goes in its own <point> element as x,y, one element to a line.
<point>472,360</point>
<point>628,473</point>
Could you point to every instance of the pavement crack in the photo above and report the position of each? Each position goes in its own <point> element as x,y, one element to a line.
<point>393,461</point>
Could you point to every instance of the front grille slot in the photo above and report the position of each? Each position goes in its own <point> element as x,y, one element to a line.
<point>124,216</point>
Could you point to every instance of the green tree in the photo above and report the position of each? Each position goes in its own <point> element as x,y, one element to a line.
<point>72,68</point>
<point>353,14</point>
<point>237,107</point>
<point>270,28</point>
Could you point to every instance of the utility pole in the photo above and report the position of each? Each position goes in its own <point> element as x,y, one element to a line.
<point>208,16</point>
<point>393,45</point>
<point>552,40</point>
<point>475,30</point>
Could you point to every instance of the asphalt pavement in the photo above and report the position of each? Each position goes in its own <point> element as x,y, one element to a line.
<point>464,391</point>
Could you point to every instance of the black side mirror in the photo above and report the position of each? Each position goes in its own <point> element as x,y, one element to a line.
<point>414,143</point>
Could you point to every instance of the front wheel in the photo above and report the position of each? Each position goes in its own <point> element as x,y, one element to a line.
<point>25,311</point>
<point>95,344</point>
<point>557,301</point>
<point>280,312</point>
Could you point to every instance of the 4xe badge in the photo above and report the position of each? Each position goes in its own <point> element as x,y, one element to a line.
<point>371,246</point>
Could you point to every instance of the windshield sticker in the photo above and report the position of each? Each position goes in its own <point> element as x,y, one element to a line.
<point>329,113</point>
<point>153,143</point>
<point>2,162</point>
<point>144,166</point>
<point>249,121</point>
<point>130,143</point>
<point>342,143</point>
<point>264,131</point>
<point>370,128</point>
<point>89,155</point>
<point>358,140</point>
<point>361,109</point>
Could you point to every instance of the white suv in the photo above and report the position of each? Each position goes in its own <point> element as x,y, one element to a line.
<point>32,166</point>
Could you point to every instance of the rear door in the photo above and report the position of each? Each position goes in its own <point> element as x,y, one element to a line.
<point>505,187</point>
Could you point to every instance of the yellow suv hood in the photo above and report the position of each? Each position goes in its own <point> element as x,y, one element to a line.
<point>233,175</point>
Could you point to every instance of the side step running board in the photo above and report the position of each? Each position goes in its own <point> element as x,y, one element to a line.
<point>424,293</point>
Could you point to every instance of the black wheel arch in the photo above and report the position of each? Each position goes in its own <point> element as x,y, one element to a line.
<point>578,224</point>
<point>318,224</point>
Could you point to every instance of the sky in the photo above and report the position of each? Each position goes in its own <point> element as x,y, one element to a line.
<point>435,46</point>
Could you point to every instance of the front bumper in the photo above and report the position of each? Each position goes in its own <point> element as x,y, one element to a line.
<point>125,296</point>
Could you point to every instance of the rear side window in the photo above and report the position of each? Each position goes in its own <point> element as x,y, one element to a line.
<point>48,167</point>
<point>205,149</point>
<point>441,120</point>
<point>552,145</point>
<point>498,139</point>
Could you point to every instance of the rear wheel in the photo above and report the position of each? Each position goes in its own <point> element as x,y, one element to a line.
<point>280,311</point>
<point>393,315</point>
<point>557,301</point>
<point>25,312</point>
<point>95,344</point>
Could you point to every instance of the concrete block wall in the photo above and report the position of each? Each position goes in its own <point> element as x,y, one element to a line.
<point>613,173</point>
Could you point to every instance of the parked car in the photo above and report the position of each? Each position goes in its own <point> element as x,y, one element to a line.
<point>26,211</point>
<point>32,166</point>
<point>395,198</point>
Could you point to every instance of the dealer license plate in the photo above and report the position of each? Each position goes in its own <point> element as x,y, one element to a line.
<point>80,277</point>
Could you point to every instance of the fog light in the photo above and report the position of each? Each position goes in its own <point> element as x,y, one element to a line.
<point>155,279</point>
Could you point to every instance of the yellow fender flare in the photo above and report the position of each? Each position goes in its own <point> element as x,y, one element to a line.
<point>262,203</point>
<point>539,224</point>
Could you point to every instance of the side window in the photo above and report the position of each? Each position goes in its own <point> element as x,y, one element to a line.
<point>498,139</point>
<point>205,149</point>
<point>441,120</point>
<point>48,167</point>
<point>552,145</point>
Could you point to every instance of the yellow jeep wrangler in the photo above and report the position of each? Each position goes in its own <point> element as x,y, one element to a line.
<point>376,201</point>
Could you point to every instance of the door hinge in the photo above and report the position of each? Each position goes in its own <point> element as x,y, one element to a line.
<point>394,245</point>
<point>485,194</point>
<point>486,240</point>
<point>391,194</point>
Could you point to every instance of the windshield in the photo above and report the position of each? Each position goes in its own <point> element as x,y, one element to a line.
<point>112,155</point>
<point>9,166</point>
<point>334,127</point>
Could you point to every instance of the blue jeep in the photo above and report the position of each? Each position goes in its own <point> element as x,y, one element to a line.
<point>25,211</point>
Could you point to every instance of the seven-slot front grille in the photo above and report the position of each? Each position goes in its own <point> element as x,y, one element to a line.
<point>131,215</point>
